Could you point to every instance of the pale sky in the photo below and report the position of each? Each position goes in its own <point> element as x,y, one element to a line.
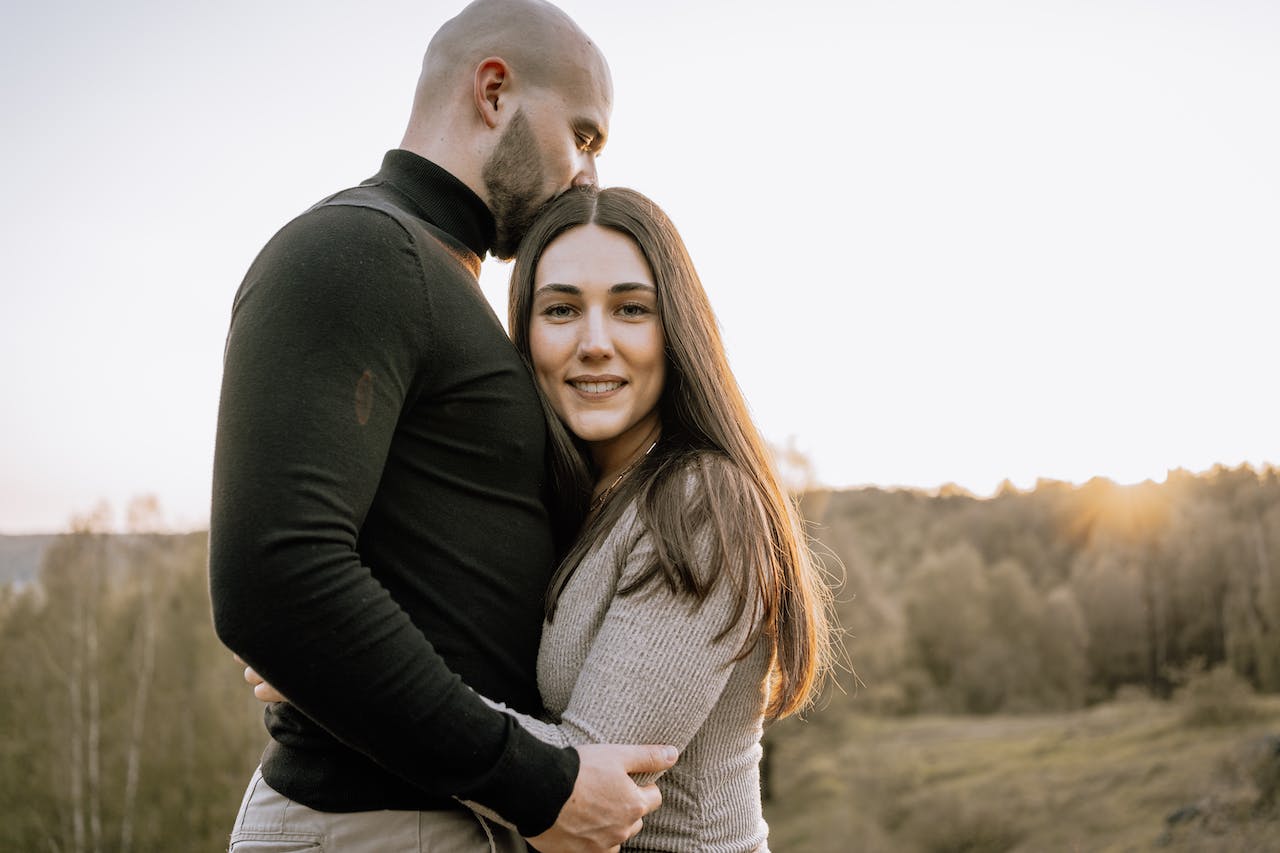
<point>947,241</point>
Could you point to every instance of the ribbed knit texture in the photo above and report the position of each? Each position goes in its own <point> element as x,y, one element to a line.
<point>645,669</point>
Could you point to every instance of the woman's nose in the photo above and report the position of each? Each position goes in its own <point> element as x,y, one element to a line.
<point>595,341</point>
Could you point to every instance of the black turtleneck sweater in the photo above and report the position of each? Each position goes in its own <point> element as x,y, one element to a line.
<point>379,538</point>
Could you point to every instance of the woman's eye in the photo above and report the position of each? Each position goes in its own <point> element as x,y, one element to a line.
<point>634,309</point>
<point>558,312</point>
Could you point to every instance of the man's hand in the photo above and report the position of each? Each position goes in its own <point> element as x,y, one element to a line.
<point>606,806</point>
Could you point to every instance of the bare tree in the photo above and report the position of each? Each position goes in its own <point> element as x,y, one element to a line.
<point>143,675</point>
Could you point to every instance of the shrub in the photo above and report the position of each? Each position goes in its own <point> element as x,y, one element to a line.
<point>1216,697</point>
<point>1130,694</point>
<point>953,824</point>
<point>1262,763</point>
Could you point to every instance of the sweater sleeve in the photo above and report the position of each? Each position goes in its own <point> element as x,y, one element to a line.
<point>655,670</point>
<point>320,360</point>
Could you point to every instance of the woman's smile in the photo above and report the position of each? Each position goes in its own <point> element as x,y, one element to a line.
<point>596,387</point>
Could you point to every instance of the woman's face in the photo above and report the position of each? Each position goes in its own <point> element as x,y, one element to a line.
<point>596,339</point>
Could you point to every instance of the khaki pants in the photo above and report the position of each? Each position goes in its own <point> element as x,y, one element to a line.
<point>271,823</point>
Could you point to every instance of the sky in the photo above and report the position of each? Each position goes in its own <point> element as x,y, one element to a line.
<point>947,242</point>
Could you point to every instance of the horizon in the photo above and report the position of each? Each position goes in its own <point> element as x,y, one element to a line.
<point>111,519</point>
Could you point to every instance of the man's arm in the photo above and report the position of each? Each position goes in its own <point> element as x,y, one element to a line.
<point>605,808</point>
<point>320,360</point>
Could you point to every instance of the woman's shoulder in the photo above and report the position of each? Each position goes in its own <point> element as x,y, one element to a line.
<point>708,480</point>
<point>701,518</point>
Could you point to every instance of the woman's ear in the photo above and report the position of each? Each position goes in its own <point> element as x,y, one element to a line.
<point>492,83</point>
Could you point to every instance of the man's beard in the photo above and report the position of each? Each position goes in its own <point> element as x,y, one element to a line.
<point>514,180</point>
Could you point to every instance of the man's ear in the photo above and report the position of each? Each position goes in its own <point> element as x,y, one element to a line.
<point>492,83</point>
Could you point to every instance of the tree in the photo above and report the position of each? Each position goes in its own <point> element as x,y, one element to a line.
<point>946,609</point>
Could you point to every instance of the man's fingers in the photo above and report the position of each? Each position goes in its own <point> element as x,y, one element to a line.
<point>267,693</point>
<point>651,797</point>
<point>261,688</point>
<point>649,759</point>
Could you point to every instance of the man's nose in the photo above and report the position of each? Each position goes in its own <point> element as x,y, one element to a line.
<point>586,176</point>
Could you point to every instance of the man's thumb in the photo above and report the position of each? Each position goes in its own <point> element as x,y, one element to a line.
<point>649,759</point>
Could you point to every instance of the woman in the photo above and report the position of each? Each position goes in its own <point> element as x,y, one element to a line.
<point>688,610</point>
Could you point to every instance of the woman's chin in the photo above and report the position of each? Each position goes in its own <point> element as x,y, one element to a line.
<point>595,433</point>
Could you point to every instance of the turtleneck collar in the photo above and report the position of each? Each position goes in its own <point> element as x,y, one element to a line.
<point>440,198</point>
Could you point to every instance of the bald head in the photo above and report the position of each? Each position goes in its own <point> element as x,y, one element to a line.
<point>540,43</point>
<point>514,100</point>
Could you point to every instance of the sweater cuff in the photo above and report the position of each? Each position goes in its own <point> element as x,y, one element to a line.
<point>530,783</point>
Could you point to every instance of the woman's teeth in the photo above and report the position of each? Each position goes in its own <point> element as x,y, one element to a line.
<point>597,387</point>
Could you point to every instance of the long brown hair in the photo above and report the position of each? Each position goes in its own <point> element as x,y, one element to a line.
<point>756,539</point>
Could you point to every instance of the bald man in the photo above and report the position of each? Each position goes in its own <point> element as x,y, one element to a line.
<point>379,538</point>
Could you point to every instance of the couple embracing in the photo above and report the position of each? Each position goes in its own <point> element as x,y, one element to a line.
<point>541,588</point>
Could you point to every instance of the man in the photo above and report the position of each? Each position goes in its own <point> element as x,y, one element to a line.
<point>379,539</point>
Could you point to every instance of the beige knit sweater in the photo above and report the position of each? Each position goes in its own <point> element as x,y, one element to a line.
<point>644,668</point>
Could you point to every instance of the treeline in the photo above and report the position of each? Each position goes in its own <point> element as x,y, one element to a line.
<point>1057,597</point>
<point>124,725</point>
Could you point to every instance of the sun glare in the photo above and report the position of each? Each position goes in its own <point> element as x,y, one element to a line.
<point>1118,511</point>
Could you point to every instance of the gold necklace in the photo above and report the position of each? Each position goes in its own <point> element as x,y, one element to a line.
<point>598,500</point>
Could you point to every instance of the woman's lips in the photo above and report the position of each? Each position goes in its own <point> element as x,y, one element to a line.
<point>596,388</point>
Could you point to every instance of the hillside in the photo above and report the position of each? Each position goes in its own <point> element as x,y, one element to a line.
<point>1124,776</point>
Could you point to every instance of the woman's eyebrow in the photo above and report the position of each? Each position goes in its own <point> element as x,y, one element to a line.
<point>559,288</point>
<point>574,290</point>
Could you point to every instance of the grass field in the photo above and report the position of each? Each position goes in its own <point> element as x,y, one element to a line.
<point>1108,778</point>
